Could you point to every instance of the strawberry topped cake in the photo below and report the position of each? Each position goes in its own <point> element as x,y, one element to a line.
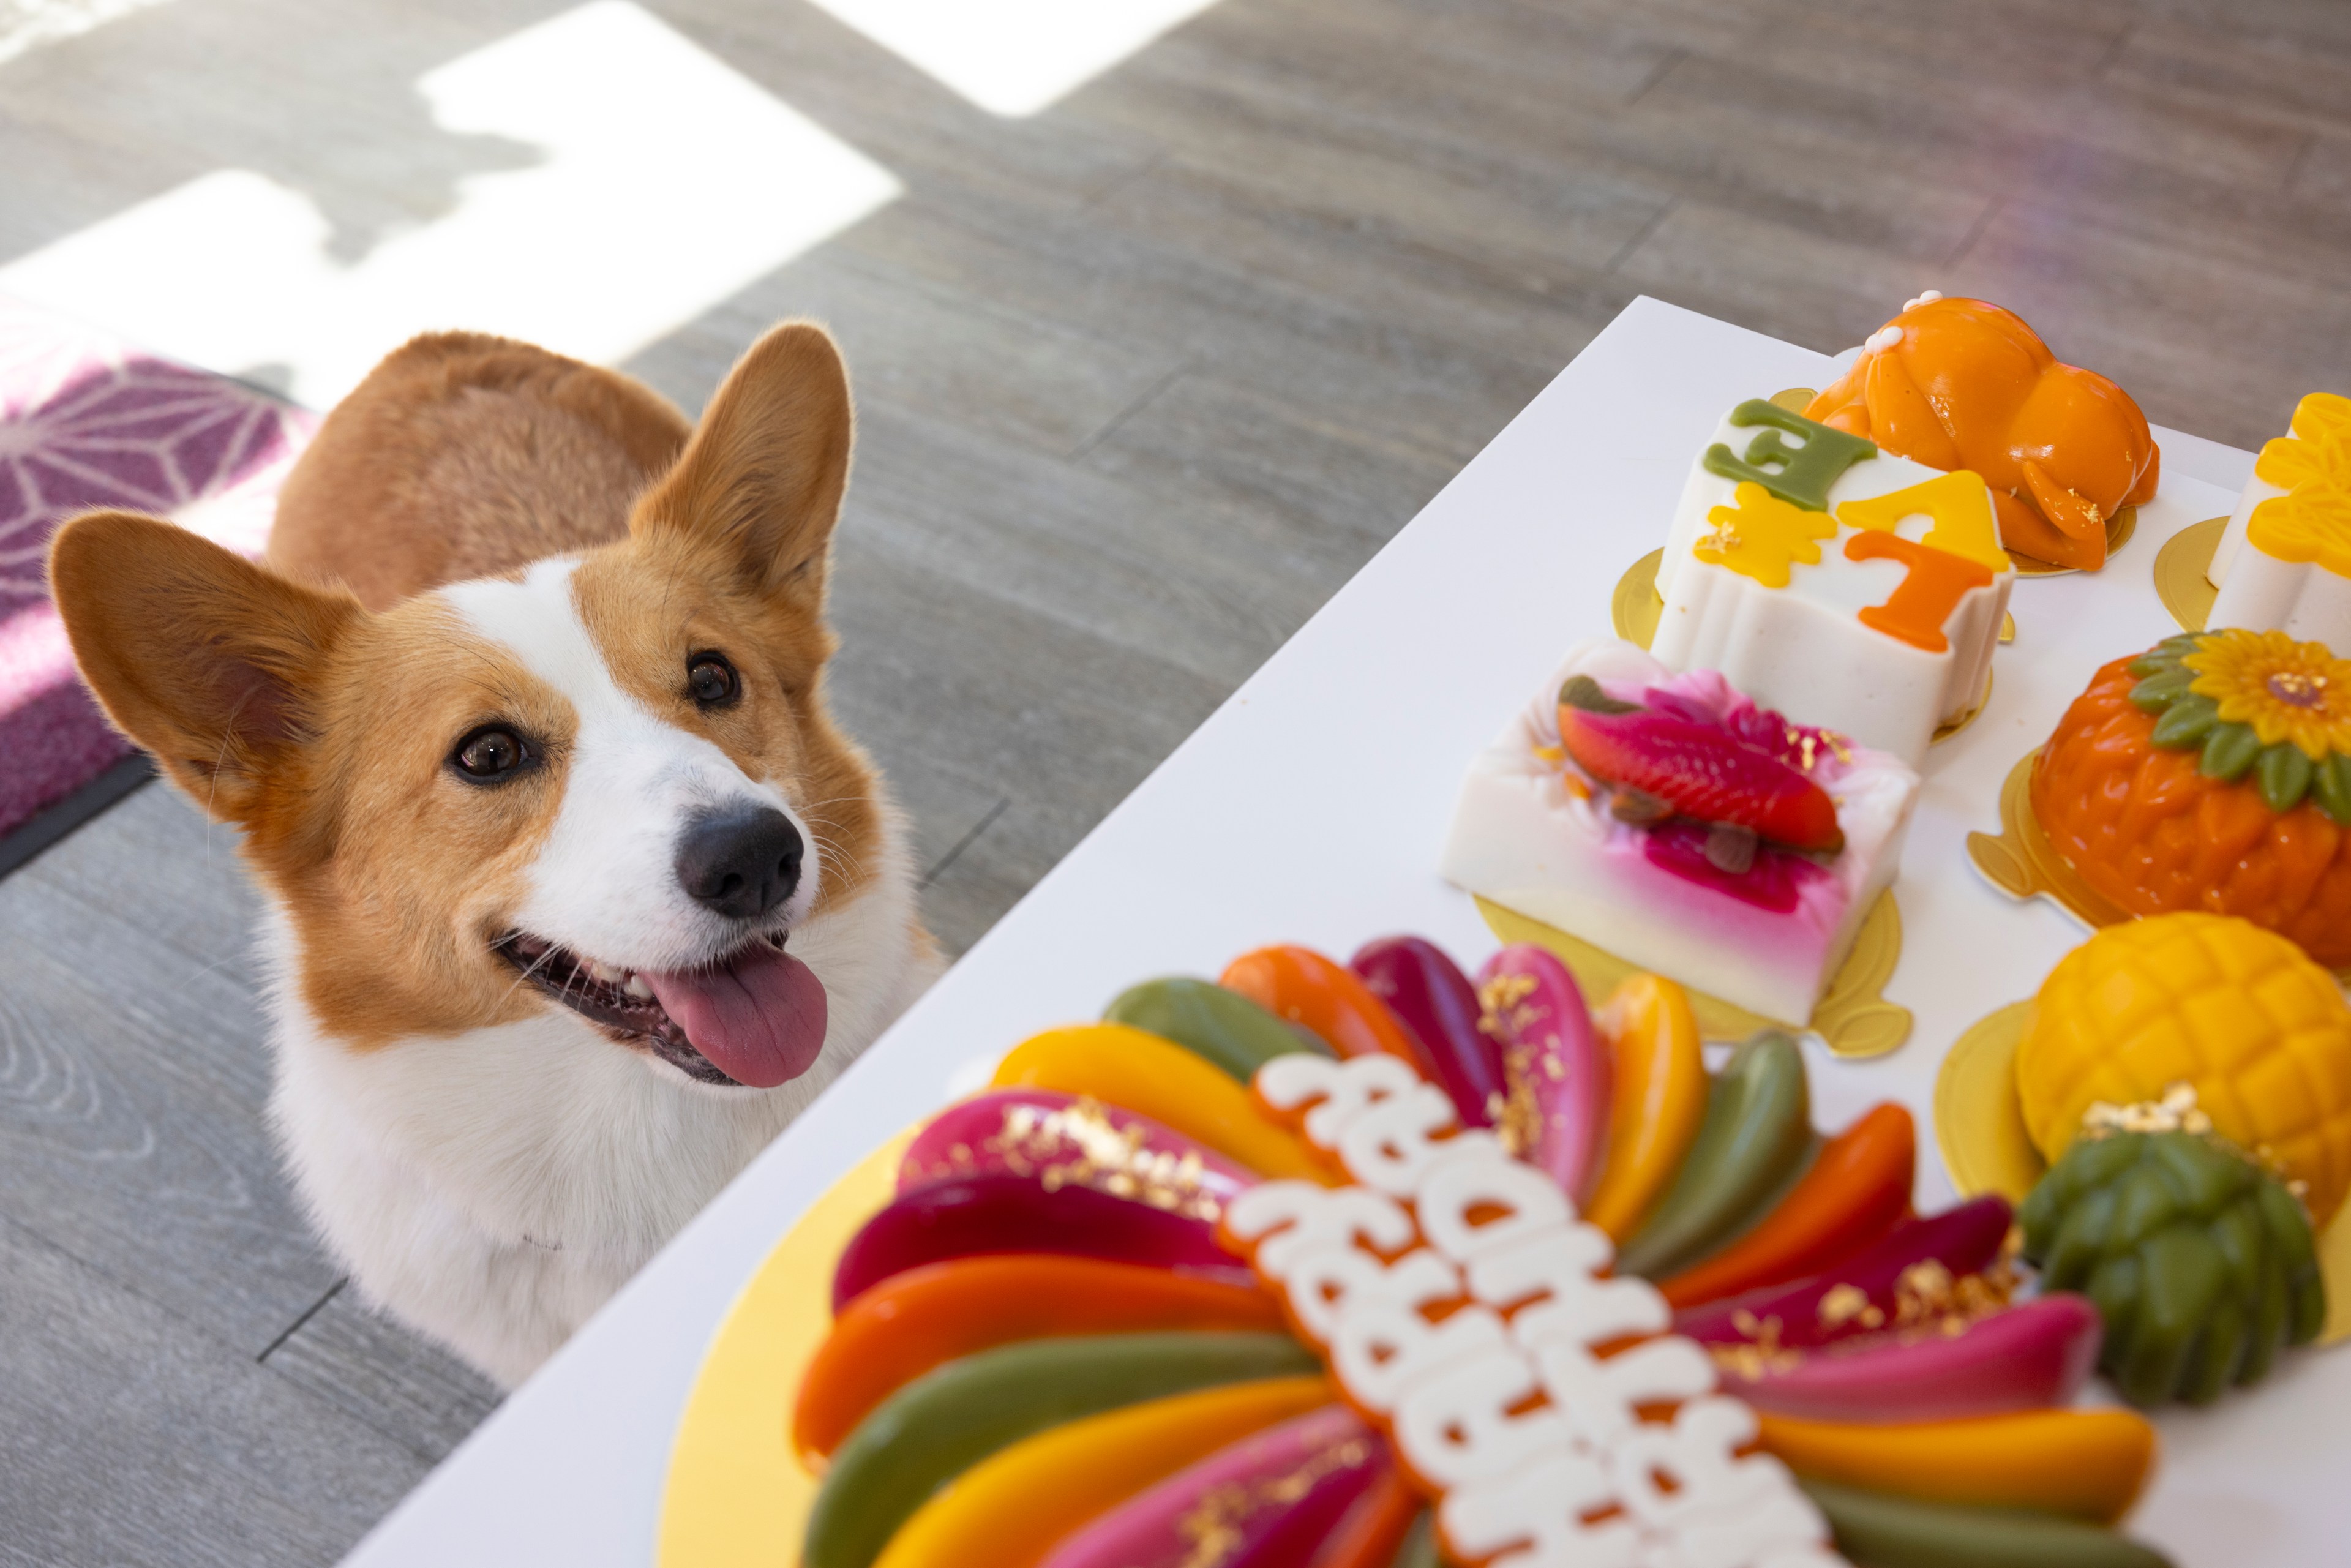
<point>1669,819</point>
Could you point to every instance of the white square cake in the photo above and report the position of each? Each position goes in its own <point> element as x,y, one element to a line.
<point>1538,832</point>
<point>1847,588</point>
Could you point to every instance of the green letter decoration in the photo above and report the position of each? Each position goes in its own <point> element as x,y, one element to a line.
<point>1806,472</point>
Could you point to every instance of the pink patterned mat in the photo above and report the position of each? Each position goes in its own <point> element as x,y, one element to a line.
<point>87,421</point>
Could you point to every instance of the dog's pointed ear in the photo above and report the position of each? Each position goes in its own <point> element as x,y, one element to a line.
<point>761,481</point>
<point>204,658</point>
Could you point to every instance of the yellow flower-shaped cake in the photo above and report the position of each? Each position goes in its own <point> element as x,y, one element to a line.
<point>2284,563</point>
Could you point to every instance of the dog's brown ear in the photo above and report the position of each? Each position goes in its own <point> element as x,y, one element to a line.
<point>204,658</point>
<point>761,480</point>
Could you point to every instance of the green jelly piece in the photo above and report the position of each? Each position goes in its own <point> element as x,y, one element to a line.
<point>2282,776</point>
<point>1218,1025</point>
<point>2229,751</point>
<point>2200,1263</point>
<point>1884,1531</point>
<point>1583,692</point>
<point>1758,1125</point>
<point>2330,786</point>
<point>1806,471</point>
<point>2185,722</point>
<point>1418,1548</point>
<point>953,1417</point>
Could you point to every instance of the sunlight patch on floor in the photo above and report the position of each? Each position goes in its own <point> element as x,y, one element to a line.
<point>667,183</point>
<point>1013,57</point>
<point>26,25</point>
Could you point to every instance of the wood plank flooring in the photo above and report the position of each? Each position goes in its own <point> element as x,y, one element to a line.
<point>1142,378</point>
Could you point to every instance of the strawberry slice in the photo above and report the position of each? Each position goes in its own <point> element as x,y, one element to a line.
<point>1701,771</point>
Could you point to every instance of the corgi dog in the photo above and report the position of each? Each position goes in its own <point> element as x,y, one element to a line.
<point>575,894</point>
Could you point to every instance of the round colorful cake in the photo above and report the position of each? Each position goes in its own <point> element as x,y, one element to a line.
<point>1350,1266</point>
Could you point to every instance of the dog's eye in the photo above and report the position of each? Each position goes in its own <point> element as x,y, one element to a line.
<point>712,680</point>
<point>490,755</point>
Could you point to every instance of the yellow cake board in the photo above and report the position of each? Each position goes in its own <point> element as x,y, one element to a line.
<point>738,1496</point>
<point>2179,568</point>
<point>1980,1127</point>
<point>1853,1017</point>
<point>2022,864</point>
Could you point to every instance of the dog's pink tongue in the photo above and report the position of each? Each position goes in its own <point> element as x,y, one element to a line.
<point>760,1019</point>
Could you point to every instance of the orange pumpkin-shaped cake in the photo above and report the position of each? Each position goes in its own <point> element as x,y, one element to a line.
<point>2213,772</point>
<point>1958,384</point>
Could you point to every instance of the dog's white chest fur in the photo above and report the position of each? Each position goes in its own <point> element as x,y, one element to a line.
<point>494,1189</point>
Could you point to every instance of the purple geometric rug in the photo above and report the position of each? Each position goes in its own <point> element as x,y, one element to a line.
<point>87,421</point>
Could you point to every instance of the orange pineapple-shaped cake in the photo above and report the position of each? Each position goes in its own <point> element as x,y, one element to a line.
<point>2211,773</point>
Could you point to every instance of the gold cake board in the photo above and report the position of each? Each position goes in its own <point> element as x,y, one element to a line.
<point>1980,1127</point>
<point>1853,1017</point>
<point>738,1496</point>
<point>2179,568</point>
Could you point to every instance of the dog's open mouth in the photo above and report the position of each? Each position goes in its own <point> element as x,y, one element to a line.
<point>754,1018</point>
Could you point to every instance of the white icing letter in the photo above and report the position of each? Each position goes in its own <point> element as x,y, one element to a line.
<point>1347,1089</point>
<point>1389,1147</point>
<point>1327,1280</point>
<point>1541,1505</point>
<point>1580,1308</point>
<point>1685,1482</point>
<point>1380,1345</point>
<point>1457,1427</point>
<point>1602,1397</point>
<point>1315,1217</point>
<point>1458,1186</point>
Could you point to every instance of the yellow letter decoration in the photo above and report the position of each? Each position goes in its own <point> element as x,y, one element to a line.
<point>1961,505</point>
<point>1761,535</point>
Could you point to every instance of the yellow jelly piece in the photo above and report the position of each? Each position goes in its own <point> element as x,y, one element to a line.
<point>1961,505</point>
<point>2311,523</point>
<point>1139,1071</point>
<point>1657,1103</point>
<point>1012,1507</point>
<point>2238,1014</point>
<point>1762,535</point>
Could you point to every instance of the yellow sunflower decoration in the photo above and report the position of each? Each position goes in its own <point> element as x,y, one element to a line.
<point>2285,690</point>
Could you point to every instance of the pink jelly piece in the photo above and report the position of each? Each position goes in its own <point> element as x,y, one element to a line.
<point>1064,1139</point>
<point>2029,1358</point>
<point>1556,1069</point>
<point>1005,1213</point>
<point>1269,1500</point>
<point>1775,881</point>
<point>1438,1006</point>
<point>1961,1242</point>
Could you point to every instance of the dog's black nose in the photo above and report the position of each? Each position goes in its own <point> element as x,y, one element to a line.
<point>742,861</point>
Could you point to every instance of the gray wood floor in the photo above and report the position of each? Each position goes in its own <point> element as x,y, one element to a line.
<point>1142,379</point>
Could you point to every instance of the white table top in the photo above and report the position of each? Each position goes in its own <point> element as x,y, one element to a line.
<point>1309,809</point>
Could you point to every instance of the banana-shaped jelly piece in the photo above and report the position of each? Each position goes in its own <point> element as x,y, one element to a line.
<point>1657,1102</point>
<point>1758,1128</point>
<point>949,1419</point>
<point>1219,1025</point>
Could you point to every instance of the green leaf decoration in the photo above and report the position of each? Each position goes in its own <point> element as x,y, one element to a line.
<point>2229,751</point>
<point>2283,776</point>
<point>2185,722</point>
